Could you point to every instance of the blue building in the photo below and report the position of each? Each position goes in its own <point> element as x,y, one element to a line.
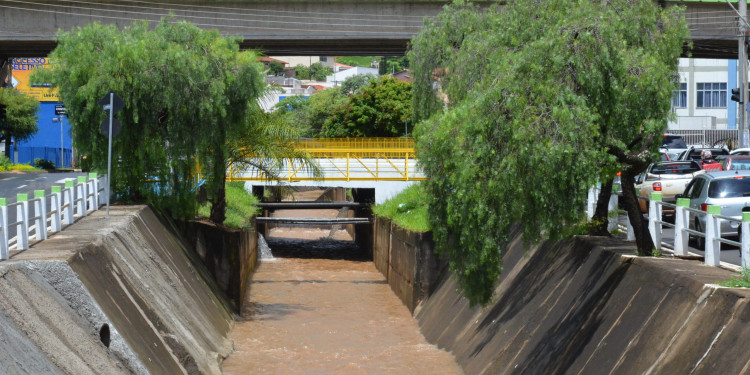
<point>52,141</point>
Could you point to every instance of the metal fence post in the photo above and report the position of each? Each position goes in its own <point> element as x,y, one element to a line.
<point>4,229</point>
<point>745,241</point>
<point>681,218</point>
<point>55,209</point>
<point>68,202</point>
<point>22,214</point>
<point>81,200</point>
<point>94,190</point>
<point>654,219</point>
<point>713,247</point>
<point>40,214</point>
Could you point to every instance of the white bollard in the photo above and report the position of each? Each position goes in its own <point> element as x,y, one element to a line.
<point>40,214</point>
<point>4,229</point>
<point>713,247</point>
<point>81,199</point>
<point>22,215</point>
<point>68,202</point>
<point>745,241</point>
<point>56,209</point>
<point>654,219</point>
<point>681,221</point>
<point>94,191</point>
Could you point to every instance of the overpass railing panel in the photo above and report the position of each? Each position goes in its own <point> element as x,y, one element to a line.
<point>47,213</point>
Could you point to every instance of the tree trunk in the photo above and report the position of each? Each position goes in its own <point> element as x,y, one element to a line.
<point>7,148</point>
<point>218,196</point>
<point>600,220</point>
<point>644,244</point>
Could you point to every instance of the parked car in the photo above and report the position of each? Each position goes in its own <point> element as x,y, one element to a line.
<point>735,162</point>
<point>673,145</point>
<point>740,151</point>
<point>667,178</point>
<point>728,189</point>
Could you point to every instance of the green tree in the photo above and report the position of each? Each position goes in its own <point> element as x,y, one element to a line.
<point>20,116</point>
<point>185,91</point>
<point>379,110</point>
<point>533,105</point>
<point>353,84</point>
<point>310,114</point>
<point>319,72</point>
<point>276,68</point>
<point>302,72</point>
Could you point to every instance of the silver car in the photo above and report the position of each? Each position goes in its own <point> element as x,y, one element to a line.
<point>729,190</point>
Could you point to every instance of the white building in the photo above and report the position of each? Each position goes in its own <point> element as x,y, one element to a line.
<point>336,79</point>
<point>703,100</point>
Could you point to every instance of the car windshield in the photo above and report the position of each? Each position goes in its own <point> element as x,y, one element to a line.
<point>729,188</point>
<point>673,141</point>
<point>675,168</point>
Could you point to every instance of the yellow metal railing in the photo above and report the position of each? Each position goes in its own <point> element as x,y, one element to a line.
<point>347,159</point>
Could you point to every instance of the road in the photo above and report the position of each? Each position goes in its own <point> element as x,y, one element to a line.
<point>12,184</point>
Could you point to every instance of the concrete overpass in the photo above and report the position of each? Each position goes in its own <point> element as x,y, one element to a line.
<point>332,28</point>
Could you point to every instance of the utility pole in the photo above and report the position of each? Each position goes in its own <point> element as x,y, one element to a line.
<point>743,74</point>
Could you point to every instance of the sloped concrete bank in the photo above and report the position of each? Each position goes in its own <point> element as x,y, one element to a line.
<point>113,295</point>
<point>584,306</point>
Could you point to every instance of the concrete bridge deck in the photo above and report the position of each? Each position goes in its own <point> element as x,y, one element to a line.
<point>337,28</point>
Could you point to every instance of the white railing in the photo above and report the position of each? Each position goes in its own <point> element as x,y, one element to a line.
<point>75,199</point>
<point>682,231</point>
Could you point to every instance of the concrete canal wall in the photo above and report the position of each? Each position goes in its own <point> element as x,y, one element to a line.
<point>579,306</point>
<point>123,294</point>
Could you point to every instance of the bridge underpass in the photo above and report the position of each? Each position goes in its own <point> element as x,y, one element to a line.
<point>300,28</point>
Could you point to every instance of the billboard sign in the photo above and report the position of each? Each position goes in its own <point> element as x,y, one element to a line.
<point>21,69</point>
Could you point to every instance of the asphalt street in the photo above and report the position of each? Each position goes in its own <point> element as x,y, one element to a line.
<point>12,184</point>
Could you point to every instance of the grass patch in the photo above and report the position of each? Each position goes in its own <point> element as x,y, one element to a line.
<point>363,61</point>
<point>408,209</point>
<point>240,208</point>
<point>742,281</point>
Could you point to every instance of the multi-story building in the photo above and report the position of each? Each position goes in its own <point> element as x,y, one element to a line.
<point>703,99</point>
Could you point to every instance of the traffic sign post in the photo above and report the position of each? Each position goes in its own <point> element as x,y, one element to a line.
<point>111,103</point>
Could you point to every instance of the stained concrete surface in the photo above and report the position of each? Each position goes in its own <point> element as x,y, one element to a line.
<point>586,306</point>
<point>111,295</point>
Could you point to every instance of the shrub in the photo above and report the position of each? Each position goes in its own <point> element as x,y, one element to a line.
<point>44,164</point>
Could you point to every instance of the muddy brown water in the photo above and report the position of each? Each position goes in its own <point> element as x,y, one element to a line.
<point>321,307</point>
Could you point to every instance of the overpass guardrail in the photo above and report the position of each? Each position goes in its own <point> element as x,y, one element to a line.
<point>75,199</point>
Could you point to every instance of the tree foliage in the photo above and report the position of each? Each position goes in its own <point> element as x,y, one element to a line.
<point>20,116</point>
<point>186,90</point>
<point>276,68</point>
<point>311,113</point>
<point>378,110</point>
<point>316,71</point>
<point>533,104</point>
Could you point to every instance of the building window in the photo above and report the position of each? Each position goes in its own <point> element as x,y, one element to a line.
<point>711,95</point>
<point>323,59</point>
<point>679,97</point>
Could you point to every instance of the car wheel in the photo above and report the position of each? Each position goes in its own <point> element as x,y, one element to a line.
<point>700,241</point>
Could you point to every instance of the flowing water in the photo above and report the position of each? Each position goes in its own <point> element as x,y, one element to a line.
<point>319,306</point>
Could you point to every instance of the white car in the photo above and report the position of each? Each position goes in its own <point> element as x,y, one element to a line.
<point>740,151</point>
